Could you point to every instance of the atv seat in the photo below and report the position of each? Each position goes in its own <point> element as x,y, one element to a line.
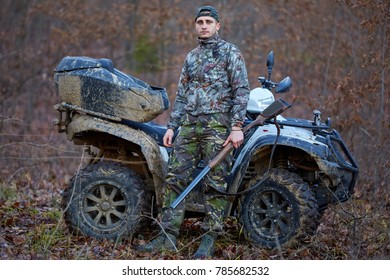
<point>154,130</point>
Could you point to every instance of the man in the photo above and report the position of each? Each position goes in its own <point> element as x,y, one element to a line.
<point>209,108</point>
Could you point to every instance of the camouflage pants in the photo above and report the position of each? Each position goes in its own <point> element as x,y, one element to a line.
<point>200,138</point>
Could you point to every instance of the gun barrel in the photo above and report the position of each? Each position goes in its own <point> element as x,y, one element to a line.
<point>190,187</point>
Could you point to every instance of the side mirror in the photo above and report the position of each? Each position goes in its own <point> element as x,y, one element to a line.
<point>270,63</point>
<point>270,59</point>
<point>284,86</point>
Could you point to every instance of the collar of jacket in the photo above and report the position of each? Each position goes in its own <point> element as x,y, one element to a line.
<point>209,42</point>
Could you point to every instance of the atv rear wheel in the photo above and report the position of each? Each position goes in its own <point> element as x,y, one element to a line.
<point>105,200</point>
<point>281,208</point>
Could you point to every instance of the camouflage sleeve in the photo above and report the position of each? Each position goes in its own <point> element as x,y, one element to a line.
<point>240,87</point>
<point>180,100</point>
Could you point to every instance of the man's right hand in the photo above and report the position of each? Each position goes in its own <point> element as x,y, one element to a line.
<point>168,137</point>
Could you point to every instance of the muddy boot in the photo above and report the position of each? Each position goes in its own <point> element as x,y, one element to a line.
<point>164,241</point>
<point>206,247</point>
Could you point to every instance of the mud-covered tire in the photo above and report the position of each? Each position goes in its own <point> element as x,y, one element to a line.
<point>105,200</point>
<point>279,210</point>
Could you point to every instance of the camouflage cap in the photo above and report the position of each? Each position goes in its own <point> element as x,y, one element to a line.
<point>207,11</point>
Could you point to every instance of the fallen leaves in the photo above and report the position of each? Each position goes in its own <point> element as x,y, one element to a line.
<point>36,230</point>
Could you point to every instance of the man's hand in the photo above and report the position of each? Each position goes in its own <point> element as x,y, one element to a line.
<point>168,137</point>
<point>236,137</point>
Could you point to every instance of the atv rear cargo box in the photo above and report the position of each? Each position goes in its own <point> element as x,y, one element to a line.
<point>95,85</point>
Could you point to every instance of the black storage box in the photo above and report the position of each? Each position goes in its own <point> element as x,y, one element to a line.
<point>95,85</point>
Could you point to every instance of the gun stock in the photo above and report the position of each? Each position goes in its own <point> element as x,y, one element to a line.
<point>226,150</point>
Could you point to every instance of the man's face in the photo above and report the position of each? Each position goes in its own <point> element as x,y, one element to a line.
<point>206,27</point>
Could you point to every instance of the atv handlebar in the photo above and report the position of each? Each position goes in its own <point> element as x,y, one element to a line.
<point>266,83</point>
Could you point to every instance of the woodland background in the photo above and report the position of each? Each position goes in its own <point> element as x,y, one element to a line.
<point>336,52</point>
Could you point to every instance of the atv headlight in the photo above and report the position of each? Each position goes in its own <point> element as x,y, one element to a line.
<point>259,99</point>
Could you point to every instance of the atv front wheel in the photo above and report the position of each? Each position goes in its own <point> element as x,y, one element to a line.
<point>280,208</point>
<point>105,200</point>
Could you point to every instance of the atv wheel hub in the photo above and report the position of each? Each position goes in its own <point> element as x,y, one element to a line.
<point>105,206</point>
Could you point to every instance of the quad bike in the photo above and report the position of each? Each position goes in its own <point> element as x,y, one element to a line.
<point>287,171</point>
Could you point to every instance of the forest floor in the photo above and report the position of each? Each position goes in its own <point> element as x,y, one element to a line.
<point>32,227</point>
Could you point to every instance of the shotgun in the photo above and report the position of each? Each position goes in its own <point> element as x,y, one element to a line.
<point>274,109</point>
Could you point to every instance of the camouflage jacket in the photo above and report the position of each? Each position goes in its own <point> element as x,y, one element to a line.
<point>213,80</point>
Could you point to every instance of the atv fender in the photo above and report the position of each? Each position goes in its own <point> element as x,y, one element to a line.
<point>149,147</point>
<point>319,153</point>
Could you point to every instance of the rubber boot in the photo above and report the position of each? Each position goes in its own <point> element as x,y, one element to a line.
<point>206,247</point>
<point>164,241</point>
